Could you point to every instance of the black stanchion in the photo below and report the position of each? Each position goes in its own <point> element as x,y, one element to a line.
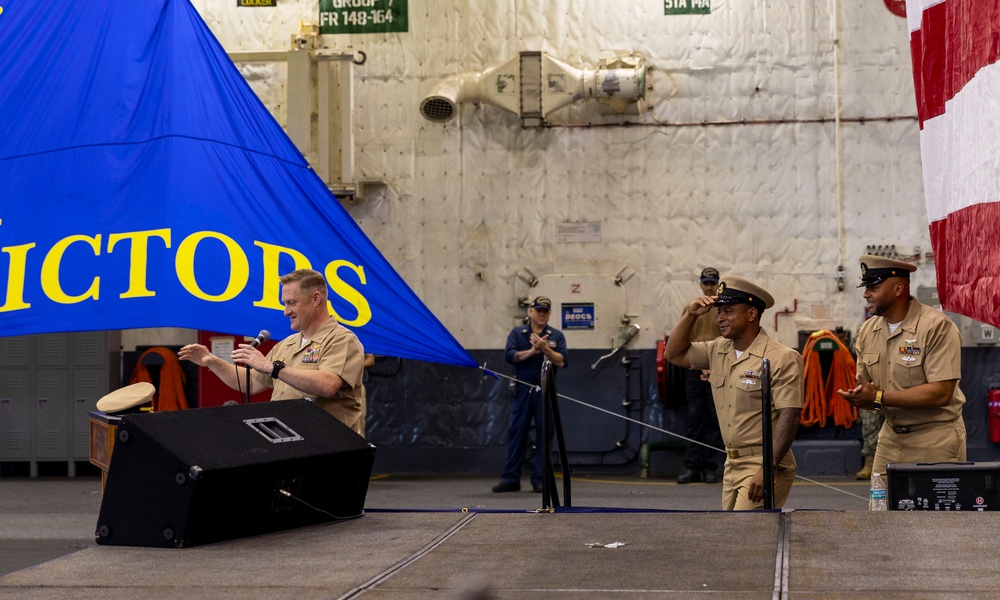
<point>767,460</point>
<point>551,418</point>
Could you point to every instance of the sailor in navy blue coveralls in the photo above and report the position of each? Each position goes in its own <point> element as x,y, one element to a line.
<point>527,348</point>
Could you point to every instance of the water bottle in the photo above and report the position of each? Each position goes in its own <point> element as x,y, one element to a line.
<point>877,493</point>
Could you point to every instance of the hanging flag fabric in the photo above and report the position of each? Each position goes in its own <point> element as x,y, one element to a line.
<point>143,184</point>
<point>954,47</point>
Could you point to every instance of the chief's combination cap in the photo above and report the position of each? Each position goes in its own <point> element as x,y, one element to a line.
<point>710,275</point>
<point>736,290</point>
<point>130,398</point>
<point>876,269</point>
<point>541,302</point>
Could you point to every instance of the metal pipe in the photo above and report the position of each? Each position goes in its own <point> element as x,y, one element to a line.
<point>795,308</point>
<point>668,124</point>
<point>838,138</point>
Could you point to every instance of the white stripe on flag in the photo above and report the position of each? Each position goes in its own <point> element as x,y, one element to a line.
<point>915,12</point>
<point>960,149</point>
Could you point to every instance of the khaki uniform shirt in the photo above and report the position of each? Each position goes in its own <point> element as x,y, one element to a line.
<point>925,348</point>
<point>706,328</point>
<point>335,349</point>
<point>736,384</point>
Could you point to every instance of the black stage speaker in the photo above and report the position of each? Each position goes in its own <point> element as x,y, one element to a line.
<point>944,486</point>
<point>204,475</point>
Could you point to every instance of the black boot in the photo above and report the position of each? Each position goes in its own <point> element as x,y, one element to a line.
<point>689,476</point>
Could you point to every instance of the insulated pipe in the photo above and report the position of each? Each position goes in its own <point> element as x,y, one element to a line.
<point>615,85</point>
<point>496,86</point>
<point>441,104</point>
<point>618,84</point>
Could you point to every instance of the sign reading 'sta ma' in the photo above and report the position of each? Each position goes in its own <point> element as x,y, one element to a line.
<point>687,7</point>
<point>362,16</point>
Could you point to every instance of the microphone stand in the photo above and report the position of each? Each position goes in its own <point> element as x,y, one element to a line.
<point>247,367</point>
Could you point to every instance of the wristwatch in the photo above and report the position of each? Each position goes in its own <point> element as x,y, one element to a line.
<point>276,368</point>
<point>877,406</point>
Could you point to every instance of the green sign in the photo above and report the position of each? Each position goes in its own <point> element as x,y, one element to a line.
<point>362,16</point>
<point>687,7</point>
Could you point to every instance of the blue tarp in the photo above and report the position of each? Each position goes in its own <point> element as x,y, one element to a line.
<point>143,184</point>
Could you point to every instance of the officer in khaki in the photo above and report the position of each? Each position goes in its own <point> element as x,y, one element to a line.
<point>909,365</point>
<point>735,363</point>
<point>323,361</point>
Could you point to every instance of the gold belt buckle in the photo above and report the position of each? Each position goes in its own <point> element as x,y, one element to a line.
<point>733,452</point>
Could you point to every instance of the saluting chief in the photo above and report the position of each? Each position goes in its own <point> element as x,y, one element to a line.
<point>734,361</point>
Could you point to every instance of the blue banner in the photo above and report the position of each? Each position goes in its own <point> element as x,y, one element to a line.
<point>143,184</point>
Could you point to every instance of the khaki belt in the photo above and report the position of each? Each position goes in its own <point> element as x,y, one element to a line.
<point>748,451</point>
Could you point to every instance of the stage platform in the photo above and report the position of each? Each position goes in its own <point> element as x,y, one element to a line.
<point>466,542</point>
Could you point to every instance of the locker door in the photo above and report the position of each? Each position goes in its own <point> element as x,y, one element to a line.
<point>15,414</point>
<point>90,349</point>
<point>52,414</point>
<point>15,352</point>
<point>89,386</point>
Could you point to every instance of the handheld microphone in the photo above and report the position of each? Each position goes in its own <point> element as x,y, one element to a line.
<point>262,337</point>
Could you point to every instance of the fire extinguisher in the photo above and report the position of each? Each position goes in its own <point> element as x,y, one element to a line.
<point>994,414</point>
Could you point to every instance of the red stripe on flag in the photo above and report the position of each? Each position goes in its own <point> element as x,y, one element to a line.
<point>956,39</point>
<point>968,267</point>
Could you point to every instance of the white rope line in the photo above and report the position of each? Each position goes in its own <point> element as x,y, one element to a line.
<point>537,387</point>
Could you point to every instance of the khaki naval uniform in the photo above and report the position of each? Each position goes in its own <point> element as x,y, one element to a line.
<point>925,348</point>
<point>706,327</point>
<point>702,424</point>
<point>335,349</point>
<point>736,388</point>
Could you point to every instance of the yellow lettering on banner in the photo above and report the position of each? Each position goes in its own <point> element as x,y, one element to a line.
<point>50,270</point>
<point>184,264</point>
<point>348,293</point>
<point>271,295</point>
<point>138,258</point>
<point>15,277</point>
<point>239,267</point>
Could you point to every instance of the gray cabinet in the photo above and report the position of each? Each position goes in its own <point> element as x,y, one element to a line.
<point>49,384</point>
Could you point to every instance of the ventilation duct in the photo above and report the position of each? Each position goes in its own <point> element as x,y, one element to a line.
<point>534,84</point>
<point>496,86</point>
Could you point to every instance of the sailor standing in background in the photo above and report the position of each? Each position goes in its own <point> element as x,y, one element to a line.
<point>527,348</point>
<point>701,461</point>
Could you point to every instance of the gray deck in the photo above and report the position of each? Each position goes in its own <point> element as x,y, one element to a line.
<point>824,545</point>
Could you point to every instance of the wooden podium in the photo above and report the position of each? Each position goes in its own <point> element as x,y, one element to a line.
<point>103,430</point>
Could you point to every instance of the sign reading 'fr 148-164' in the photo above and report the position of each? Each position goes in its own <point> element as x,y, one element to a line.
<point>362,16</point>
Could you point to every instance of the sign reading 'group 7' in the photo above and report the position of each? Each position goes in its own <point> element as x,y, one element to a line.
<point>362,16</point>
